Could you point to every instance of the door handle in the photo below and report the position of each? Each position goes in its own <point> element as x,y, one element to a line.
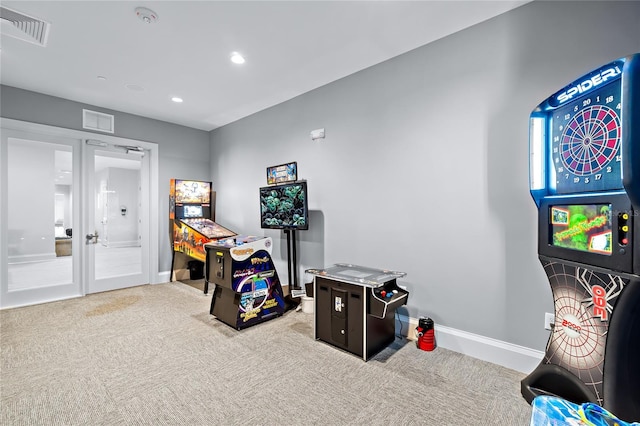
<point>92,238</point>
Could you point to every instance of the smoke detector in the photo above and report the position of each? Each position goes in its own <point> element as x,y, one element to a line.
<point>147,16</point>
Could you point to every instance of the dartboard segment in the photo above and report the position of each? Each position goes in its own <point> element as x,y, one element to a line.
<point>590,140</point>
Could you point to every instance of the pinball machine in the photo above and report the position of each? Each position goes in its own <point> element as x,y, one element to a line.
<point>192,225</point>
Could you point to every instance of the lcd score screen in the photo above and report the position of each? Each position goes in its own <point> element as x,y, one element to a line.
<point>192,211</point>
<point>582,227</point>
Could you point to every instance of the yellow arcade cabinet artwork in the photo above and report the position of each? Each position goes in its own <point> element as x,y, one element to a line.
<point>191,217</point>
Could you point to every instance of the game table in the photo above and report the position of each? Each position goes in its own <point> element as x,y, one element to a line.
<point>355,306</point>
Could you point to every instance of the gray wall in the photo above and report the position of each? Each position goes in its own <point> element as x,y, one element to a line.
<point>183,152</point>
<point>425,165</point>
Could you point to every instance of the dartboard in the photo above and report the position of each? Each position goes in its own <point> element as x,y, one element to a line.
<point>585,142</point>
<point>590,140</point>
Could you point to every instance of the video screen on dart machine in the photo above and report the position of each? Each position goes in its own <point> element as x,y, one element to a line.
<point>582,227</point>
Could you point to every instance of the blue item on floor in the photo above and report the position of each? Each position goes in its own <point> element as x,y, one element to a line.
<point>554,411</point>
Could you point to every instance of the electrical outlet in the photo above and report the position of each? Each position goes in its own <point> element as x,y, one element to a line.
<point>549,320</point>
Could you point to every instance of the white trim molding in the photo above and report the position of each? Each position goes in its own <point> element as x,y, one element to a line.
<point>163,277</point>
<point>28,258</point>
<point>508,355</point>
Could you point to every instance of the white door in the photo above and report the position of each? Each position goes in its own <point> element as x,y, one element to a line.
<point>54,191</point>
<point>116,224</point>
<point>40,254</point>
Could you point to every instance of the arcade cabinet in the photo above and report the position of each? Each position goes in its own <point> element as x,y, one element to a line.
<point>248,290</point>
<point>355,307</point>
<point>191,214</point>
<point>585,180</point>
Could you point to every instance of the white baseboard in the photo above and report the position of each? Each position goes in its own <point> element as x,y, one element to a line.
<point>27,258</point>
<point>163,277</point>
<point>508,355</point>
<point>36,302</point>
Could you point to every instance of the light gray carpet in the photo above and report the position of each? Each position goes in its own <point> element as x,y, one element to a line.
<point>154,355</point>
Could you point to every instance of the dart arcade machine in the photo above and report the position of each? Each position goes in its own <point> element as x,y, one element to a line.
<point>585,180</point>
<point>191,214</point>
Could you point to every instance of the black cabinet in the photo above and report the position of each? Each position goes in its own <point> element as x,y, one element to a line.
<point>355,307</point>
<point>338,313</point>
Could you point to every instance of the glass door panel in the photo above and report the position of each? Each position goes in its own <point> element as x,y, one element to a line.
<point>39,212</point>
<point>115,237</point>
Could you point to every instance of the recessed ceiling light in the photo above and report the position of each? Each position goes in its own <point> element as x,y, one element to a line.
<point>176,99</point>
<point>101,78</point>
<point>237,58</point>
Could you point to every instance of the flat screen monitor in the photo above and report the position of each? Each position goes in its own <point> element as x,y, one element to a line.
<point>284,206</point>
<point>582,227</point>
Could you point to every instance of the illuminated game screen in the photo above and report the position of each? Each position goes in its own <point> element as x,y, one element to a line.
<point>583,227</point>
<point>192,211</point>
<point>193,192</point>
<point>284,206</point>
<point>585,142</point>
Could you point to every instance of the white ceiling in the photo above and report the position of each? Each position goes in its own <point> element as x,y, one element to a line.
<point>291,47</point>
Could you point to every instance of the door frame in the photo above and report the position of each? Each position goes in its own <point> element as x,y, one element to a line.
<point>51,131</point>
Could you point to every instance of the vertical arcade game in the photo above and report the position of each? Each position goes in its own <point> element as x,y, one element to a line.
<point>585,180</point>
<point>190,215</point>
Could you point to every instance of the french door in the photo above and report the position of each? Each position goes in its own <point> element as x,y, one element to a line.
<point>74,216</point>
<point>116,220</point>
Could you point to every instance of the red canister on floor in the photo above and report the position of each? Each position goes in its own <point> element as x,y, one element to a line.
<point>425,333</point>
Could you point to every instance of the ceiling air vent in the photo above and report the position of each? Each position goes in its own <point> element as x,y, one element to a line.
<point>24,27</point>
<point>92,120</point>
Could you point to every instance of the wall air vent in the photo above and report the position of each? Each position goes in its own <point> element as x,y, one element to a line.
<point>101,122</point>
<point>23,27</point>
